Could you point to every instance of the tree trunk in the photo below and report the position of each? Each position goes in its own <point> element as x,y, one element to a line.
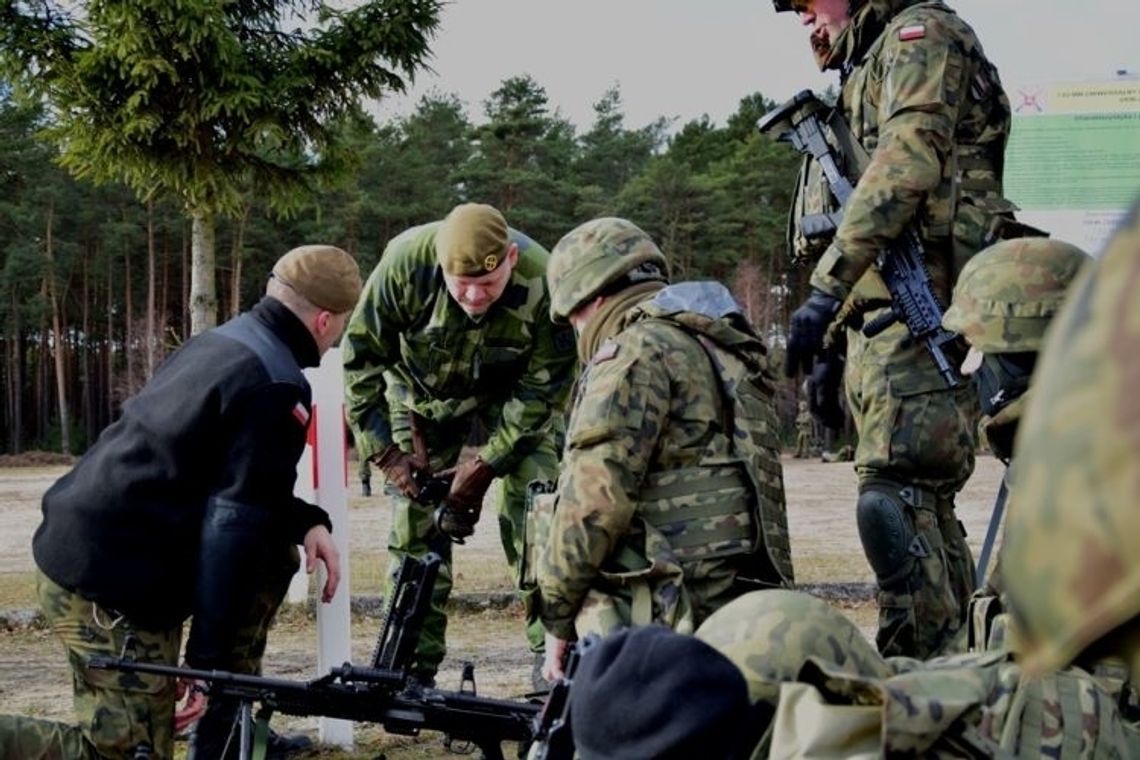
<point>57,338</point>
<point>768,309</point>
<point>87,406</point>
<point>203,292</point>
<point>129,339</point>
<point>41,391</point>
<point>164,294</point>
<point>16,381</point>
<point>185,332</point>
<point>151,338</point>
<point>110,338</point>
<point>236,260</point>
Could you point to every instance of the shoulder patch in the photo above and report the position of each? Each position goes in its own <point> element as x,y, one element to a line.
<point>301,414</point>
<point>912,32</point>
<point>608,351</point>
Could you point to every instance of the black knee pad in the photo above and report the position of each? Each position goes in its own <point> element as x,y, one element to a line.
<point>887,533</point>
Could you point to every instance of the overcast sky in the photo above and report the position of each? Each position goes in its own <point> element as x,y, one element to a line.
<point>685,58</point>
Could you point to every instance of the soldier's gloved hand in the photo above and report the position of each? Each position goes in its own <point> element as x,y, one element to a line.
<point>472,479</point>
<point>400,468</point>
<point>824,388</point>
<point>805,334</point>
<point>464,501</point>
<point>454,524</point>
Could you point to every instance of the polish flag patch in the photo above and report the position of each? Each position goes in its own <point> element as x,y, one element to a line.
<point>912,32</point>
<point>608,351</point>
<point>301,414</point>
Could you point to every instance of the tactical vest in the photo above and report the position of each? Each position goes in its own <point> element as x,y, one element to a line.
<point>732,502</point>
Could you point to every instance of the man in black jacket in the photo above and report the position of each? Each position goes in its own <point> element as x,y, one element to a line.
<point>185,507</point>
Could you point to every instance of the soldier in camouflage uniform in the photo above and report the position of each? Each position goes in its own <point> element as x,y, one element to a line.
<point>1071,557</point>
<point>1071,554</point>
<point>185,506</point>
<point>452,332</point>
<point>821,690</point>
<point>818,688</point>
<point>928,123</point>
<point>1003,302</point>
<point>804,425</point>
<point>671,500</point>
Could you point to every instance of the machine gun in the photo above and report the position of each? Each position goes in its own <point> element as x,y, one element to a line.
<point>552,733</point>
<point>381,693</point>
<point>902,264</point>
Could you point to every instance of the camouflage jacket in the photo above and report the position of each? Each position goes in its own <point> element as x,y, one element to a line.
<point>928,108</point>
<point>409,347</point>
<point>656,513</point>
<point>959,706</point>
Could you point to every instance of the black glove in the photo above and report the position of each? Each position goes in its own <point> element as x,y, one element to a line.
<point>824,387</point>
<point>805,335</point>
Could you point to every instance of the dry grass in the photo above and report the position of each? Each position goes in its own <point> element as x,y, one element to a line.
<point>18,591</point>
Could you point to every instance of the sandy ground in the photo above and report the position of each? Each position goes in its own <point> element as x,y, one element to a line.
<point>34,678</point>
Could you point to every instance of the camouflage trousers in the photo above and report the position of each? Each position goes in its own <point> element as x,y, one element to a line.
<point>215,729</point>
<point>413,533</point>
<point>803,444</point>
<point>117,713</point>
<point>364,472</point>
<point>914,431</point>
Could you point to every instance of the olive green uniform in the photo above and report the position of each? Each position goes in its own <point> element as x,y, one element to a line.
<point>804,426</point>
<point>409,349</point>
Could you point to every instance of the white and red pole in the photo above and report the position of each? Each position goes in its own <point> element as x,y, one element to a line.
<point>322,478</point>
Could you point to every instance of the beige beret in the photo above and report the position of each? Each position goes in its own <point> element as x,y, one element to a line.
<point>325,275</point>
<point>472,240</point>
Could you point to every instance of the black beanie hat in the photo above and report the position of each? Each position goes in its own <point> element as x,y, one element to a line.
<point>651,693</point>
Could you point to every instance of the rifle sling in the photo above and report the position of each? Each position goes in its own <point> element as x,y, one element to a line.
<point>848,145</point>
<point>260,735</point>
<point>991,532</point>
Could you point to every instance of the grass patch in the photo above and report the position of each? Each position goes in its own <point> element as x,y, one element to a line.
<point>18,591</point>
<point>834,567</point>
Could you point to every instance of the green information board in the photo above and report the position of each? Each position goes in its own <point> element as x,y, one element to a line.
<point>1073,159</point>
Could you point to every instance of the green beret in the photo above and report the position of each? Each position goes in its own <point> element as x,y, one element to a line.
<point>324,275</point>
<point>472,240</point>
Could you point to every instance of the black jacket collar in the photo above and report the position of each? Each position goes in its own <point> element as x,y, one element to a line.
<point>287,326</point>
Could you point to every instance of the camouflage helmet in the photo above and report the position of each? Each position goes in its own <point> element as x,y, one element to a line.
<point>1071,554</point>
<point>1008,294</point>
<point>770,634</point>
<point>594,254</point>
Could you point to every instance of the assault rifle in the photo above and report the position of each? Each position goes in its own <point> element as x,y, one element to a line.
<point>382,693</point>
<point>902,264</point>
